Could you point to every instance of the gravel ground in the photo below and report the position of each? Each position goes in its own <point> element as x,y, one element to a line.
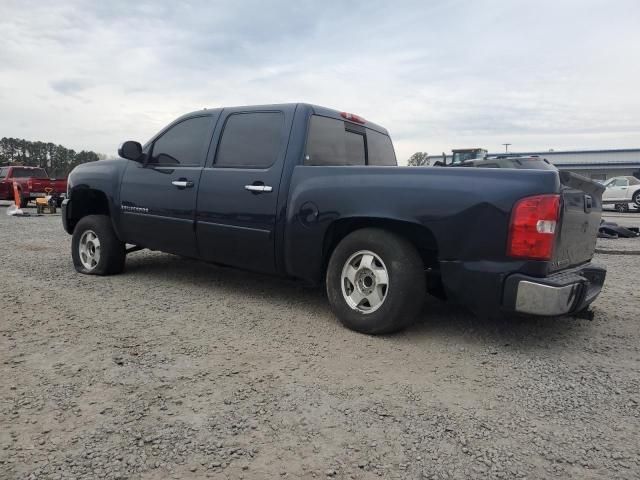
<point>179,369</point>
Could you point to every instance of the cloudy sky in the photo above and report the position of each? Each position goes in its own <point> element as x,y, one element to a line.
<point>538,74</point>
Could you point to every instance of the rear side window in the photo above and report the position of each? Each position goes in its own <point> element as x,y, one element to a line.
<point>184,144</point>
<point>334,142</point>
<point>380,149</point>
<point>250,140</point>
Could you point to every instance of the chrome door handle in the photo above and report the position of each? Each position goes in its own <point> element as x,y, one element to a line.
<point>258,188</point>
<point>182,183</point>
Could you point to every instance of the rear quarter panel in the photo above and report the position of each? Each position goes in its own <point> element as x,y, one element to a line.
<point>466,210</point>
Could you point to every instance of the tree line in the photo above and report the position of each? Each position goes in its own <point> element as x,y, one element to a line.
<point>56,159</point>
<point>418,159</point>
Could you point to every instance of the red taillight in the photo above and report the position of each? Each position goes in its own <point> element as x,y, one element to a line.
<point>353,118</point>
<point>532,231</point>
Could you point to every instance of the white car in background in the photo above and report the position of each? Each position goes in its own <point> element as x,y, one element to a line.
<point>622,190</point>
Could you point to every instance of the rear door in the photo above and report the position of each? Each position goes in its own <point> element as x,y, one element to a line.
<point>158,198</point>
<point>237,199</point>
<point>579,220</point>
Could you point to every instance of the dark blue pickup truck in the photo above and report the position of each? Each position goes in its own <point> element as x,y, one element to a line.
<point>315,194</point>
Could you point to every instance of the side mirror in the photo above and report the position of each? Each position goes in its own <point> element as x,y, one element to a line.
<point>131,151</point>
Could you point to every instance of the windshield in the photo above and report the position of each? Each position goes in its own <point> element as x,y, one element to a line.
<point>459,157</point>
<point>462,157</point>
<point>19,172</point>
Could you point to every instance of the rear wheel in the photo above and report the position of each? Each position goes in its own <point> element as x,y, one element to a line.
<point>636,198</point>
<point>375,281</point>
<point>95,249</point>
<point>24,201</point>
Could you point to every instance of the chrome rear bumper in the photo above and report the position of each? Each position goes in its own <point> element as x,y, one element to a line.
<point>558,294</point>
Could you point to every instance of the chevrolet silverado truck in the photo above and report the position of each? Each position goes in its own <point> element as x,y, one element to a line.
<point>315,194</point>
<point>33,182</point>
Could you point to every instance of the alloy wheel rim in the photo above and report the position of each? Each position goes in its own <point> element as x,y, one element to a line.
<point>89,250</point>
<point>364,281</point>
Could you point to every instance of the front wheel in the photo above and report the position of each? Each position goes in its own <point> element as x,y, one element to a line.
<point>95,249</point>
<point>375,281</point>
<point>636,198</point>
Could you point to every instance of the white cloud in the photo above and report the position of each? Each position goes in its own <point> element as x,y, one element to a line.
<point>439,75</point>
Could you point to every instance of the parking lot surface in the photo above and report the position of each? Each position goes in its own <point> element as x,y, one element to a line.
<point>180,369</point>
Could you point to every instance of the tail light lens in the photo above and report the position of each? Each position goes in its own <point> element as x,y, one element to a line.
<point>532,231</point>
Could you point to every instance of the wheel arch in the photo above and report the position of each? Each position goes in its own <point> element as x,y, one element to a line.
<point>86,201</point>
<point>421,237</point>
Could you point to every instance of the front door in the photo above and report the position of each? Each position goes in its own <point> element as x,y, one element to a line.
<point>238,193</point>
<point>616,189</point>
<point>158,198</point>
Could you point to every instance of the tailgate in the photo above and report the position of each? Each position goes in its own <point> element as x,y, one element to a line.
<point>40,185</point>
<point>59,186</point>
<point>579,220</point>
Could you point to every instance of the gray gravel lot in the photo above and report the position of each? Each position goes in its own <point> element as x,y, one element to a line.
<point>179,369</point>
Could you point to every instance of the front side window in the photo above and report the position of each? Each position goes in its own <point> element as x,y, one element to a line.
<point>619,182</point>
<point>184,144</point>
<point>250,140</point>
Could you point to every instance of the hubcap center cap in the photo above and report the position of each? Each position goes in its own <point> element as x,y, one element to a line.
<point>366,281</point>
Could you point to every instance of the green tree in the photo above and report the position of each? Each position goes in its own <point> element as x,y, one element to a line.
<point>58,160</point>
<point>418,159</point>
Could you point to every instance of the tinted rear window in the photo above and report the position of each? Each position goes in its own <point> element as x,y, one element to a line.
<point>334,142</point>
<point>250,140</point>
<point>330,144</point>
<point>380,149</point>
<point>28,172</point>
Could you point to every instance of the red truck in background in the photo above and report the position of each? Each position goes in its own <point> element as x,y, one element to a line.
<point>33,182</point>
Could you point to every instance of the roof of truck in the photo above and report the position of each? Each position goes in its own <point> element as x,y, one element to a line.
<point>317,109</point>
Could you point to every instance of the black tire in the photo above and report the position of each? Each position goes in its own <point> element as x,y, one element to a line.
<point>112,250</point>
<point>24,201</point>
<point>404,294</point>
<point>622,207</point>
<point>636,198</point>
